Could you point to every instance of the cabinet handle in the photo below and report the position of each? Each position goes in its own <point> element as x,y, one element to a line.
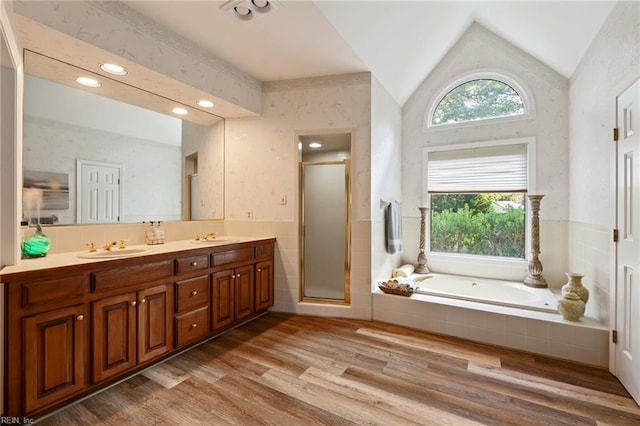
<point>143,301</point>
<point>80,317</point>
<point>194,325</point>
<point>134,303</point>
<point>194,293</point>
<point>194,263</point>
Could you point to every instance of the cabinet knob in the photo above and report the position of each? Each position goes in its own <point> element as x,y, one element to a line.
<point>134,303</point>
<point>194,293</point>
<point>80,317</point>
<point>233,276</point>
<point>194,263</point>
<point>259,270</point>
<point>194,325</point>
<point>143,301</point>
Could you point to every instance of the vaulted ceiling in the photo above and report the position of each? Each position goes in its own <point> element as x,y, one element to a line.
<point>400,42</point>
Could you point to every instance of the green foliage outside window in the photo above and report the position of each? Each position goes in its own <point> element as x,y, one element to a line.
<point>476,224</point>
<point>477,100</point>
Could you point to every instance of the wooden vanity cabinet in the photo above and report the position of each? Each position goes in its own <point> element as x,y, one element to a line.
<point>232,297</point>
<point>113,331</point>
<point>58,339</point>
<point>71,330</point>
<point>264,285</point>
<point>130,329</point>
<point>154,322</point>
<point>192,309</point>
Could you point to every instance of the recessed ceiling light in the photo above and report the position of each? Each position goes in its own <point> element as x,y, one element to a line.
<point>243,12</point>
<point>205,103</point>
<point>88,81</point>
<point>315,145</point>
<point>179,111</point>
<point>113,69</point>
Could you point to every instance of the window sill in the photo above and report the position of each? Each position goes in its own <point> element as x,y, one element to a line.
<point>478,266</point>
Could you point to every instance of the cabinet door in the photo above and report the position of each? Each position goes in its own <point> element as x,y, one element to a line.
<point>113,328</point>
<point>54,356</point>
<point>222,299</point>
<point>154,322</point>
<point>264,285</point>
<point>243,288</point>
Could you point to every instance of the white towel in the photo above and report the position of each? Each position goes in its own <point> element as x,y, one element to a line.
<point>404,271</point>
<point>393,225</point>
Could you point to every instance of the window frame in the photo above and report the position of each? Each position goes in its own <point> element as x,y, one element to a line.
<point>473,264</point>
<point>498,75</point>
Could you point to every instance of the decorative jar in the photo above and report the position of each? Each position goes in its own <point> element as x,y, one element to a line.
<point>571,306</point>
<point>36,245</point>
<point>574,285</point>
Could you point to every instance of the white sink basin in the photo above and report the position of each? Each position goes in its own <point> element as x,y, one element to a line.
<point>219,240</point>
<point>115,253</point>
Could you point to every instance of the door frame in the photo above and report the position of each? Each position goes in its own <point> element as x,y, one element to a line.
<point>79,164</point>
<point>298,213</point>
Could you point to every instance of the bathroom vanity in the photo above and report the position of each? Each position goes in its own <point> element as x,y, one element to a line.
<point>75,325</point>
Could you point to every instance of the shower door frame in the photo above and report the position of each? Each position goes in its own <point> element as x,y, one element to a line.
<point>347,232</point>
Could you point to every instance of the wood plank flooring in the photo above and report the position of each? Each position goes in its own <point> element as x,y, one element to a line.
<point>297,370</point>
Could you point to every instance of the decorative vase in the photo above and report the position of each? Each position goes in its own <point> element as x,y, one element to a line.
<point>574,285</point>
<point>571,306</point>
<point>37,245</point>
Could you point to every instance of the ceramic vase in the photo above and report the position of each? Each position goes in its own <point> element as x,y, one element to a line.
<point>574,285</point>
<point>571,306</point>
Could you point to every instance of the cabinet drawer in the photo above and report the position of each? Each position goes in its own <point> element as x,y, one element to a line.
<point>238,255</point>
<point>130,275</point>
<point>37,292</point>
<point>192,293</point>
<point>264,251</point>
<point>192,326</point>
<point>192,263</point>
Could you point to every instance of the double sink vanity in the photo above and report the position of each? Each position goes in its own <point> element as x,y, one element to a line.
<point>77,322</point>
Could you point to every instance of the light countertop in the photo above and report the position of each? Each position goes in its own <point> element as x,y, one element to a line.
<point>57,260</point>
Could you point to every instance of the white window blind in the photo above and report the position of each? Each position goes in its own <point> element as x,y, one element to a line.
<point>485,169</point>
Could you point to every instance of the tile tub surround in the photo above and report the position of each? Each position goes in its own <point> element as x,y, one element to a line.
<point>585,341</point>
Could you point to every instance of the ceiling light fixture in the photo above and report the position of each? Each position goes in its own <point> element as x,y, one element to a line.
<point>88,81</point>
<point>261,6</point>
<point>114,69</point>
<point>315,145</point>
<point>205,103</point>
<point>179,111</point>
<point>243,12</point>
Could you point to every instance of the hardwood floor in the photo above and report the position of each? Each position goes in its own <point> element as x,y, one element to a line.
<point>296,370</point>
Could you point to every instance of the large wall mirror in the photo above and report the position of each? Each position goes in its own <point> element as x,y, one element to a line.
<point>154,164</point>
<point>104,154</point>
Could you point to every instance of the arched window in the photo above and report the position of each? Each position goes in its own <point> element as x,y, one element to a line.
<point>476,99</point>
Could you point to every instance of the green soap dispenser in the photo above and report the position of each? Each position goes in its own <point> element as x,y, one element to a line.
<point>36,245</point>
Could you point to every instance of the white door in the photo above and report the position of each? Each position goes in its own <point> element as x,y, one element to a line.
<point>98,192</point>
<point>627,350</point>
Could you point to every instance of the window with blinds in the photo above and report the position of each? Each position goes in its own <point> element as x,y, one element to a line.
<point>485,169</point>
<point>477,200</point>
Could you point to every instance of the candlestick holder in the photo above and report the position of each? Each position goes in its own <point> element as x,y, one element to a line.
<point>422,257</point>
<point>535,279</point>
